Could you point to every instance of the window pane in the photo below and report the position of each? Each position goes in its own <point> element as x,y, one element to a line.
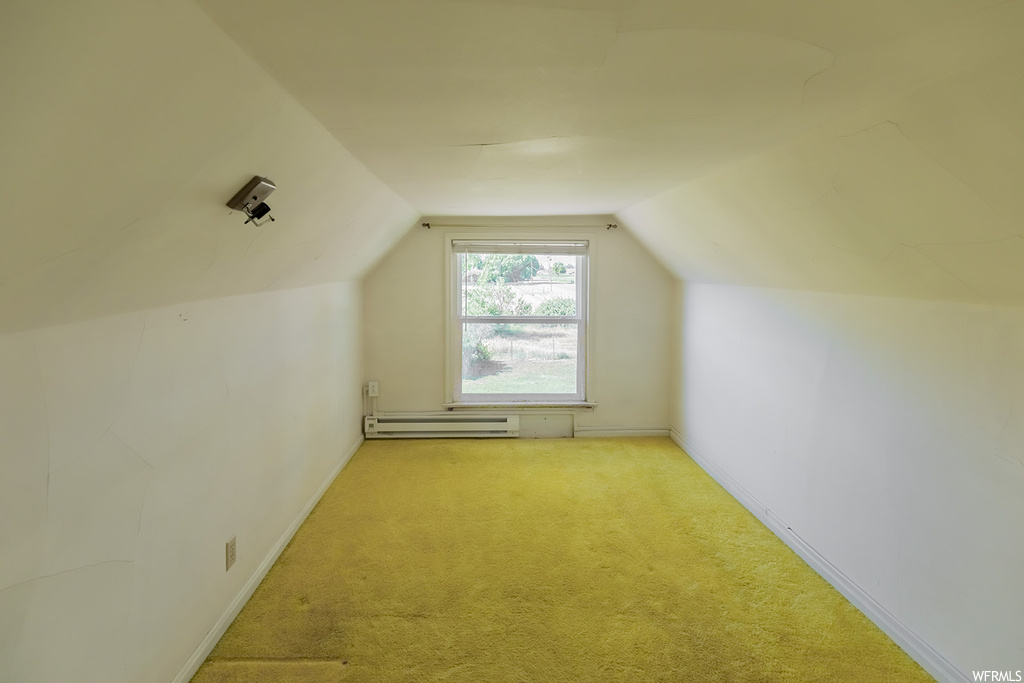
<point>518,284</point>
<point>519,359</point>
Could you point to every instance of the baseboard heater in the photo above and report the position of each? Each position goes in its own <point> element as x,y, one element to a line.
<point>443,425</point>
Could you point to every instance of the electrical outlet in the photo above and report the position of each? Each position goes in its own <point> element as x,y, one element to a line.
<point>229,554</point>
<point>374,388</point>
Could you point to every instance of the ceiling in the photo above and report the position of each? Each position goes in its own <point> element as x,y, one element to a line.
<point>514,107</point>
<point>127,126</point>
<point>868,147</point>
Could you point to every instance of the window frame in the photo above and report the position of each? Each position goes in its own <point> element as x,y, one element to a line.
<point>454,321</point>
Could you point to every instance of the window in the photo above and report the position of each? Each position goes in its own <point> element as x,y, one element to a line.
<point>519,321</point>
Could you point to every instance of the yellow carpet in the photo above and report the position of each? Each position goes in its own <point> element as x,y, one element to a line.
<point>559,560</point>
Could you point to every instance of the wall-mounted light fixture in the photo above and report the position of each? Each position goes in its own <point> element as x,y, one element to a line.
<point>251,199</point>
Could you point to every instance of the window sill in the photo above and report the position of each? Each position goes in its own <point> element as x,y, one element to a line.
<point>522,405</point>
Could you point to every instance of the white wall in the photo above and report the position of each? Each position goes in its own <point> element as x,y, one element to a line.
<point>138,431</point>
<point>887,433</point>
<point>630,326</point>
<point>882,421</point>
<point>135,446</point>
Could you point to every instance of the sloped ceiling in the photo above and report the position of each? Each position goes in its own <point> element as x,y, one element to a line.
<point>127,124</point>
<point>864,147</point>
<point>589,106</point>
<point>918,196</point>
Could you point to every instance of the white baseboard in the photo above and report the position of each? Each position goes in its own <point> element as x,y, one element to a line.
<point>924,654</point>
<point>202,651</point>
<point>619,431</point>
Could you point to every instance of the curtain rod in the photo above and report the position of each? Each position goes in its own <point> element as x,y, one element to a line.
<point>477,226</point>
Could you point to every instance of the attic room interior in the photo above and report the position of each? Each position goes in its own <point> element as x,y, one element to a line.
<point>780,246</point>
